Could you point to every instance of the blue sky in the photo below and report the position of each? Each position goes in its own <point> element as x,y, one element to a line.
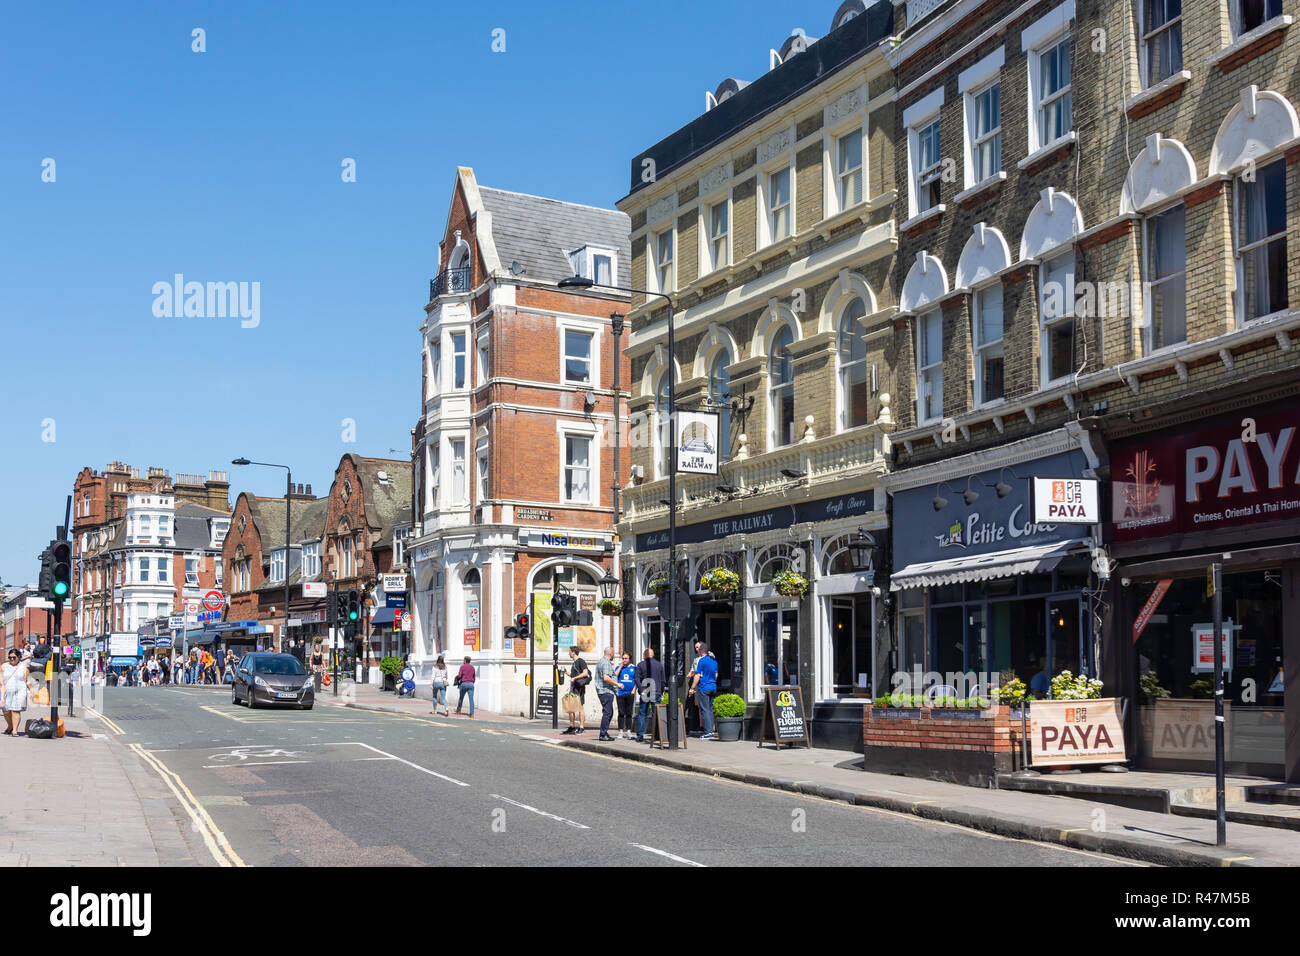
<point>225,166</point>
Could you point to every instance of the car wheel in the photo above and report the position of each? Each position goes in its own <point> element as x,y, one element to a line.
<point>252,704</point>
<point>234,696</point>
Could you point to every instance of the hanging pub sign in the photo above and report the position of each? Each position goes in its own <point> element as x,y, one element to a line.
<point>784,721</point>
<point>697,442</point>
<point>1064,501</point>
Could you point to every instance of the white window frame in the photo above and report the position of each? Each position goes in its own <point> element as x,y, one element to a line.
<point>926,375</point>
<point>708,241</point>
<point>665,270</point>
<point>1036,39</point>
<point>767,232</point>
<point>996,346</point>
<point>1234,16</point>
<point>277,564</point>
<point>482,475</point>
<point>972,83</point>
<point>458,498</point>
<point>1238,222</point>
<point>1146,35</point>
<point>572,429</point>
<point>435,365</point>
<point>1045,324</point>
<point>1149,284</point>
<point>583,262</point>
<point>347,552</point>
<point>918,118</point>
<point>483,358</point>
<point>841,175</point>
<point>567,329</point>
<point>461,355</point>
<point>310,559</point>
<point>773,415</point>
<point>842,368</point>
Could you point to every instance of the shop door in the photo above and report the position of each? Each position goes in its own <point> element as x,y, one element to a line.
<point>779,631</point>
<point>717,632</point>
<point>1064,630</point>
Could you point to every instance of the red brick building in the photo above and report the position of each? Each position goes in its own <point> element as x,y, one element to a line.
<point>514,450</point>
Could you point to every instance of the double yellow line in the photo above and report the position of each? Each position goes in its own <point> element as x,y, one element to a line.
<point>111,725</point>
<point>213,838</point>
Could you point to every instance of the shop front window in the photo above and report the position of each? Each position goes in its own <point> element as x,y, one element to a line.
<point>1175,673</point>
<point>851,645</point>
<point>779,633</point>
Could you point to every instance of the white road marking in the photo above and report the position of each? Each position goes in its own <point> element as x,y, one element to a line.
<point>671,856</point>
<point>540,813</point>
<point>416,766</point>
<point>264,763</point>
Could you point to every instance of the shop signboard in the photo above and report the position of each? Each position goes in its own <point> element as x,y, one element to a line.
<point>1065,500</point>
<point>124,645</point>
<point>1203,646</point>
<point>471,638</point>
<point>545,702</point>
<point>395,583</point>
<point>1076,732</point>
<point>1234,471</point>
<point>313,589</point>
<point>987,525</point>
<point>1184,729</point>
<point>783,716</point>
<point>768,519</point>
<point>697,443</point>
<point>541,622</point>
<point>587,543</point>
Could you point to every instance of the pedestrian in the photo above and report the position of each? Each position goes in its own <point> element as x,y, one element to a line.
<point>178,670</point>
<point>650,688</point>
<point>606,688</point>
<point>439,686</point>
<point>465,681</point>
<point>153,672</point>
<point>626,695</point>
<point>579,678</point>
<point>221,664</point>
<point>17,689</point>
<point>194,667</point>
<point>317,666</point>
<point>704,684</point>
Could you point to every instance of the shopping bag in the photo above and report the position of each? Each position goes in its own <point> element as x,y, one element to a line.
<point>39,728</point>
<point>570,703</point>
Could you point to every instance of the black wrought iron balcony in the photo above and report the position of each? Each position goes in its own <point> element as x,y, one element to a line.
<point>449,282</point>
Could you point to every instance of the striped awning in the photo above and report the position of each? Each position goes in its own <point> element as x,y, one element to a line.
<point>983,567</point>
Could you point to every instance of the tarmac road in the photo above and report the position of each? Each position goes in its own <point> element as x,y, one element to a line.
<point>339,786</point>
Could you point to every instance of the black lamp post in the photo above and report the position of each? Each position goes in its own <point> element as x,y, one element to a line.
<point>288,491</point>
<point>860,550</point>
<point>580,283</point>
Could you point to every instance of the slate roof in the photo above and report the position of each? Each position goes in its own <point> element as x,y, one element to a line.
<point>540,233</point>
<point>308,517</point>
<point>194,526</point>
<point>388,503</point>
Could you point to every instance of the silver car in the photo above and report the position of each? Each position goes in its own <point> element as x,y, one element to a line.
<point>263,678</point>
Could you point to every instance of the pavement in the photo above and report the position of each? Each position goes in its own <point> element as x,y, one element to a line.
<point>87,801</point>
<point>357,785</point>
<point>1096,825</point>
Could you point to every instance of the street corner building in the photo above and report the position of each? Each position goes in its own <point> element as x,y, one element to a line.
<point>769,221</point>
<point>1099,269</point>
<point>518,436</point>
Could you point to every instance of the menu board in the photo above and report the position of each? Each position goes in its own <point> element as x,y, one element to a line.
<point>783,717</point>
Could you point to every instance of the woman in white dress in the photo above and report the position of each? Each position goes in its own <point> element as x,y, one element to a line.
<point>17,684</point>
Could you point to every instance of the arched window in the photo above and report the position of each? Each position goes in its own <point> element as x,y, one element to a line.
<point>781,389</point>
<point>853,366</point>
<point>720,396</point>
<point>662,426</point>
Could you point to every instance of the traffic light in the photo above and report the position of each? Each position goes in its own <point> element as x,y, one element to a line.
<point>45,586</point>
<point>353,606</point>
<point>332,610</point>
<point>562,609</point>
<point>522,626</point>
<point>61,561</point>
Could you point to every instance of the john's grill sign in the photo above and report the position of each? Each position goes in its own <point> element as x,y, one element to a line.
<point>1241,469</point>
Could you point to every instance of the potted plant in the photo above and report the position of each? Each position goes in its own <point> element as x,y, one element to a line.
<point>1065,686</point>
<point>729,714</point>
<point>723,584</point>
<point>1149,684</point>
<point>790,584</point>
<point>390,667</point>
<point>610,607</point>
<point>658,585</point>
<point>1010,692</point>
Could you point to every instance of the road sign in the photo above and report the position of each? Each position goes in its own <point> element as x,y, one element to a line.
<point>214,600</point>
<point>191,607</point>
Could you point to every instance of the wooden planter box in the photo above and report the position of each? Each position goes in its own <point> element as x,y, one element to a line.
<point>950,744</point>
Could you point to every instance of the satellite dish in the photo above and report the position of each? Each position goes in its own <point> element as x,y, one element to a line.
<point>517,268</point>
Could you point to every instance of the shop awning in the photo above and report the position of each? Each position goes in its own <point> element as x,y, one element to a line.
<point>383,615</point>
<point>983,567</point>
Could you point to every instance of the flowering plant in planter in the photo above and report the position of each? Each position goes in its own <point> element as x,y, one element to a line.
<point>1150,686</point>
<point>790,584</point>
<point>610,607</point>
<point>721,582</point>
<point>1010,692</point>
<point>658,585</point>
<point>1065,686</point>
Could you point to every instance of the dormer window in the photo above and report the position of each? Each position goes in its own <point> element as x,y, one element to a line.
<point>595,263</point>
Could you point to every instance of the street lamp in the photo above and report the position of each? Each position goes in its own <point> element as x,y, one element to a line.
<point>582,283</point>
<point>861,547</point>
<point>288,521</point>
<point>609,587</point>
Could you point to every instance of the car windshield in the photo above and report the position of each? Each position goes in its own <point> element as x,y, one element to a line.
<point>283,666</point>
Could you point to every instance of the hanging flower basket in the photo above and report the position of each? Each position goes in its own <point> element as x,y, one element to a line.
<point>658,585</point>
<point>723,584</point>
<point>610,607</point>
<point>789,584</point>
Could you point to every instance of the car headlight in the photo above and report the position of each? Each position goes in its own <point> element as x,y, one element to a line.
<point>308,683</point>
<point>259,682</point>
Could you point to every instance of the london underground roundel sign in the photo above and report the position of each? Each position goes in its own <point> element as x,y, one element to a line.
<point>214,600</point>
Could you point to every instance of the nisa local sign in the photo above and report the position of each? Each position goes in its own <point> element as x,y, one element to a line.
<point>568,541</point>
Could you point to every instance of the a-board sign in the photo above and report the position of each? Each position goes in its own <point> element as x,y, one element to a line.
<point>545,702</point>
<point>659,727</point>
<point>1070,732</point>
<point>784,721</point>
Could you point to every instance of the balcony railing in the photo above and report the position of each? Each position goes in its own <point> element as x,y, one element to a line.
<point>449,282</point>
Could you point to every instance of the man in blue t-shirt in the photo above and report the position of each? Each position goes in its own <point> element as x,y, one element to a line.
<point>704,684</point>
